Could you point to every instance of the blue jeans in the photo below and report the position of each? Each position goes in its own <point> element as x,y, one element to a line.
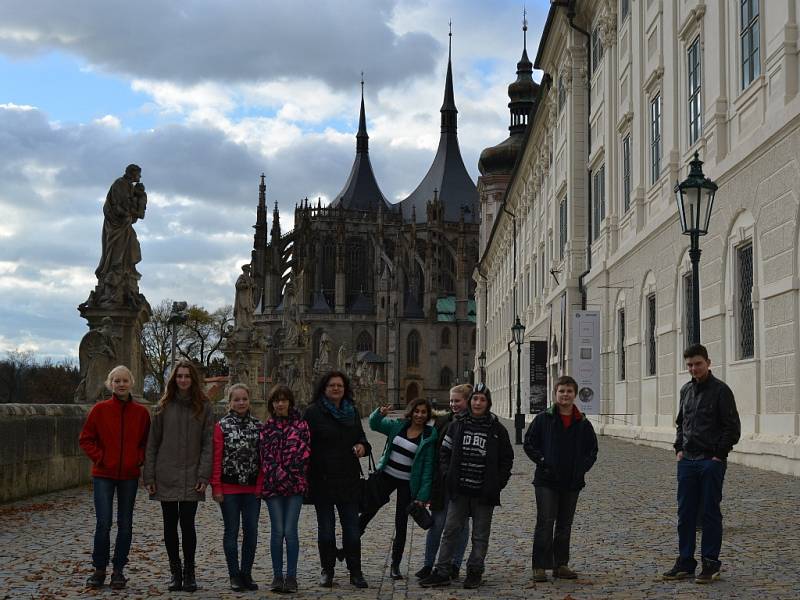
<point>696,479</point>
<point>555,510</point>
<point>236,508</point>
<point>104,510</point>
<point>284,512</point>
<point>434,538</point>
<point>351,535</point>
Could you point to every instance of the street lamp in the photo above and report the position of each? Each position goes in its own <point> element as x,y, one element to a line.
<point>517,332</point>
<point>695,197</point>
<point>482,365</point>
<point>177,316</point>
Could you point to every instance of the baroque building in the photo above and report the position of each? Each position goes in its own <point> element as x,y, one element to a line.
<point>381,290</point>
<point>630,91</point>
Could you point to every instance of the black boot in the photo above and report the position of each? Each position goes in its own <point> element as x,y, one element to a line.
<point>189,583</point>
<point>394,572</point>
<point>176,582</point>
<point>96,579</point>
<point>326,578</point>
<point>473,579</point>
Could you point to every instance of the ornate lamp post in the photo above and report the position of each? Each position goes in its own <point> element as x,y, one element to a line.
<point>177,316</point>
<point>517,332</point>
<point>482,365</point>
<point>695,197</point>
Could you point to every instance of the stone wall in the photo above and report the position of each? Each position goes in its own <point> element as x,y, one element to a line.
<point>39,449</point>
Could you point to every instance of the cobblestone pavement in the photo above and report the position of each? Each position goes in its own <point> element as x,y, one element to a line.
<point>623,537</point>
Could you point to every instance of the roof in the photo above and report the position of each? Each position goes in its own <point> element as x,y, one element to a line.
<point>446,309</point>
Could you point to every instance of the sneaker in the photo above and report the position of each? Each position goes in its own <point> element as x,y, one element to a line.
<point>709,572</point>
<point>96,579</point>
<point>277,584</point>
<point>678,572</point>
<point>564,572</point>
<point>473,580</point>
<point>423,572</point>
<point>118,580</point>
<point>539,575</point>
<point>290,584</point>
<point>436,579</point>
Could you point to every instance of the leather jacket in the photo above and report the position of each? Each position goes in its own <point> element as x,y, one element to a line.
<point>708,423</point>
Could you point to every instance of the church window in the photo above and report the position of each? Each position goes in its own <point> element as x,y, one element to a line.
<point>364,342</point>
<point>445,338</point>
<point>412,349</point>
<point>445,377</point>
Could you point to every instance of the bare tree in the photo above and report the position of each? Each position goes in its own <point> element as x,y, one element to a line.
<point>203,334</point>
<point>13,371</point>
<point>156,343</point>
<point>25,378</point>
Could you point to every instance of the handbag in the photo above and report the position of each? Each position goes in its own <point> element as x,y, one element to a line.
<point>420,514</point>
<point>372,496</point>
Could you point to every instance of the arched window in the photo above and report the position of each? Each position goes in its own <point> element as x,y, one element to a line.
<point>445,343</point>
<point>364,342</point>
<point>412,349</point>
<point>445,377</point>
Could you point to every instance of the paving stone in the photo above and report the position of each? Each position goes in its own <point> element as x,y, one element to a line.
<point>623,537</point>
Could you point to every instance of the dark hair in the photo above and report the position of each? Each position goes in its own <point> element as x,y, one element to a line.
<point>196,392</point>
<point>695,350</point>
<point>278,392</point>
<point>415,403</point>
<point>566,380</point>
<point>319,392</point>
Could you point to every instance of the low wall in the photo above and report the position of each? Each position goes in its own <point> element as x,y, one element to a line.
<point>39,449</point>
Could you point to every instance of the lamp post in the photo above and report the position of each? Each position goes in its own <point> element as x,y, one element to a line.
<point>695,198</point>
<point>177,316</point>
<point>518,331</point>
<point>482,365</point>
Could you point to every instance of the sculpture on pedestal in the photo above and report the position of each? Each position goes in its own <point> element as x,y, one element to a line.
<point>97,354</point>
<point>244,306</point>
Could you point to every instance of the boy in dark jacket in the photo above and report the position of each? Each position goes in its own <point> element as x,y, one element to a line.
<point>475,459</point>
<point>562,443</point>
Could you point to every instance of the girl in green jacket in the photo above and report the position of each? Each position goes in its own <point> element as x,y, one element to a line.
<point>407,466</point>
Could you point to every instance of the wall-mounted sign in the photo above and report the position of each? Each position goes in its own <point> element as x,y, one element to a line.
<point>585,351</point>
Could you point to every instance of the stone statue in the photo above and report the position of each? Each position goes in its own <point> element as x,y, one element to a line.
<point>325,347</point>
<point>341,358</point>
<point>117,277</point>
<point>241,369</point>
<point>97,354</point>
<point>244,307</point>
<point>291,321</point>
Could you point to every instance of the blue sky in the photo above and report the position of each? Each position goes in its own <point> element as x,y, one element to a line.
<point>206,96</point>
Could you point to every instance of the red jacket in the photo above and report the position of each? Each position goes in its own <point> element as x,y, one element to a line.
<point>114,437</point>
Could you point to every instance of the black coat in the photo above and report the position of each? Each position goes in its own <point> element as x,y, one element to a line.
<point>708,422</point>
<point>437,485</point>
<point>334,471</point>
<point>562,456</point>
<point>499,460</point>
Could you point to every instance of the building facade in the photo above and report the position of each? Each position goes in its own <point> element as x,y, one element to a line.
<point>381,290</point>
<point>632,89</point>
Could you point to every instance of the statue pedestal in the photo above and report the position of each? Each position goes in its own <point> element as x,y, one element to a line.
<point>114,338</point>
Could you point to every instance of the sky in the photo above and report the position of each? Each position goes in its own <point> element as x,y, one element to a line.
<point>205,96</point>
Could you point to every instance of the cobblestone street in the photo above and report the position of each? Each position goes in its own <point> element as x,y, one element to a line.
<point>623,538</point>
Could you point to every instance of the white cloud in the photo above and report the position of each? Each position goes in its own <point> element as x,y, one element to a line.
<point>109,121</point>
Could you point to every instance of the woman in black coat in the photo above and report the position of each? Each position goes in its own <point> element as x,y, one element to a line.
<point>337,442</point>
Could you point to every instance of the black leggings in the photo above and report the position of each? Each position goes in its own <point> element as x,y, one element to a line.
<point>183,513</point>
<point>390,484</point>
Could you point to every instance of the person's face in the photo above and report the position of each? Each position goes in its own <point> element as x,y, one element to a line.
<point>240,402</point>
<point>334,389</point>
<point>281,406</point>
<point>565,396</point>
<point>458,402</point>
<point>183,379</point>
<point>420,415</point>
<point>698,367</point>
<point>121,384</point>
<point>479,404</point>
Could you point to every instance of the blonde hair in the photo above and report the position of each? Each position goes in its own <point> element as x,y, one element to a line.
<point>464,390</point>
<point>118,369</point>
<point>238,386</point>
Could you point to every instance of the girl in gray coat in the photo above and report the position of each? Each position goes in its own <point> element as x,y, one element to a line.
<point>178,465</point>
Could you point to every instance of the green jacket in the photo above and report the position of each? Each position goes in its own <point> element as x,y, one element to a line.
<point>423,466</point>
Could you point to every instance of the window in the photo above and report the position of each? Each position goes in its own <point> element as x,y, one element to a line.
<point>445,338</point>
<point>624,8</point>
<point>693,72</point>
<point>750,42</point>
<point>364,342</point>
<point>597,49</point>
<point>651,335</point>
<point>445,377</point>
<point>688,310</point>
<point>621,344</point>
<point>626,173</point>
<point>744,263</point>
<point>655,138</point>
<point>562,227</point>
<point>412,349</point>
<point>599,200</point>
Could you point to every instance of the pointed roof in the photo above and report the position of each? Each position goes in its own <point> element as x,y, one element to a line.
<point>361,191</point>
<point>447,173</point>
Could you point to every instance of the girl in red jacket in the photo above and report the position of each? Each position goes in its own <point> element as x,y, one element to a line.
<point>114,437</point>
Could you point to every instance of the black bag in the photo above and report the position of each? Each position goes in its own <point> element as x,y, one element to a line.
<point>420,514</point>
<point>372,496</point>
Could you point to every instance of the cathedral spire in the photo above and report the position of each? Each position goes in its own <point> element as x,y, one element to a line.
<point>448,110</point>
<point>362,139</point>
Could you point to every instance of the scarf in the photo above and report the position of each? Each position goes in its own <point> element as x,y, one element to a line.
<point>344,414</point>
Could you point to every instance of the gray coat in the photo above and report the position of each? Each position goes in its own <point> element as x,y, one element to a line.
<point>179,451</point>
